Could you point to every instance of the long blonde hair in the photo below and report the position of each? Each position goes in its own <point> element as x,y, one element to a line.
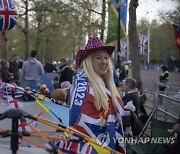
<point>98,86</point>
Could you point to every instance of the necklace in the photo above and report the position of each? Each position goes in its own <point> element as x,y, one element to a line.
<point>103,116</point>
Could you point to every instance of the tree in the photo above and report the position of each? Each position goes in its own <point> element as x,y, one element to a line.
<point>134,42</point>
<point>54,28</point>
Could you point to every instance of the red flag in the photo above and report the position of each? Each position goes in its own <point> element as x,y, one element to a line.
<point>176,29</point>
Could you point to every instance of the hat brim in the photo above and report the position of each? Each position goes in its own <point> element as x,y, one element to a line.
<point>82,54</point>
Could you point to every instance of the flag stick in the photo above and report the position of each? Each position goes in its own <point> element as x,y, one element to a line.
<point>72,131</point>
<point>51,137</point>
<point>42,136</point>
<point>35,143</point>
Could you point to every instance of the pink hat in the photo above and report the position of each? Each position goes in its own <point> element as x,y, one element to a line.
<point>94,44</point>
<point>66,85</point>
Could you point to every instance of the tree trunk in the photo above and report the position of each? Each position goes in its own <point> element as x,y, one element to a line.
<point>134,43</point>
<point>4,44</point>
<point>26,32</point>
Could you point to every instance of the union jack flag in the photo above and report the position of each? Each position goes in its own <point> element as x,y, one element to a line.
<point>8,14</point>
<point>143,40</point>
<point>123,49</point>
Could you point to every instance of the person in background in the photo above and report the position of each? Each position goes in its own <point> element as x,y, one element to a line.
<point>59,95</point>
<point>49,67</point>
<point>15,65</point>
<point>163,79</point>
<point>120,70</point>
<point>5,74</point>
<point>67,86</point>
<point>131,93</point>
<point>95,105</point>
<point>43,89</point>
<point>132,102</point>
<point>66,73</point>
<point>32,69</point>
<point>116,78</point>
<point>126,67</point>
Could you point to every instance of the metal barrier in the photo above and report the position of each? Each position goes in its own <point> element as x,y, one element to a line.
<point>155,108</point>
<point>166,102</point>
<point>171,89</point>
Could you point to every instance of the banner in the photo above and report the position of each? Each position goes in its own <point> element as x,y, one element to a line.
<point>176,29</point>
<point>113,20</point>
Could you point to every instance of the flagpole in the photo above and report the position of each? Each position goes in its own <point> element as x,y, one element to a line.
<point>118,39</point>
<point>148,58</point>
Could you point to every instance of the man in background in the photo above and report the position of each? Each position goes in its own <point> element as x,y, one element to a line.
<point>32,69</point>
<point>66,73</point>
<point>163,79</point>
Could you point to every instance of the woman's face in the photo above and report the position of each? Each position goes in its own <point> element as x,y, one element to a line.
<point>100,62</point>
<point>43,89</point>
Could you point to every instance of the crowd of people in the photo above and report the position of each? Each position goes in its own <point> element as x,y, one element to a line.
<point>90,89</point>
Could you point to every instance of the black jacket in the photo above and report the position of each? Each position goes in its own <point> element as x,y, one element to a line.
<point>66,74</point>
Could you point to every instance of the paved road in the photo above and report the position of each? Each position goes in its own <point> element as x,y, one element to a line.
<point>149,75</point>
<point>150,79</point>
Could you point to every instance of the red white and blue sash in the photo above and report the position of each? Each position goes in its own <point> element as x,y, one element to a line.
<point>78,93</point>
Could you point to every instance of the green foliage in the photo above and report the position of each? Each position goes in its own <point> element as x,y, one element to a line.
<point>56,28</point>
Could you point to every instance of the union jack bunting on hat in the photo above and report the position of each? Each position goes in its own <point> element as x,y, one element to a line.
<point>8,14</point>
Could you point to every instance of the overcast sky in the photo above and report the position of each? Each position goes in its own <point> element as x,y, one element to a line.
<point>149,8</point>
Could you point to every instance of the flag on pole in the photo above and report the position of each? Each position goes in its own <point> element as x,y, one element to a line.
<point>143,40</point>
<point>113,20</point>
<point>123,49</point>
<point>176,29</point>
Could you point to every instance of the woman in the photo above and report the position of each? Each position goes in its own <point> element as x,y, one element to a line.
<point>5,74</point>
<point>57,95</point>
<point>96,107</point>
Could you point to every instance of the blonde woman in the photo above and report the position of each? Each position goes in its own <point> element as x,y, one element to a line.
<point>96,107</point>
